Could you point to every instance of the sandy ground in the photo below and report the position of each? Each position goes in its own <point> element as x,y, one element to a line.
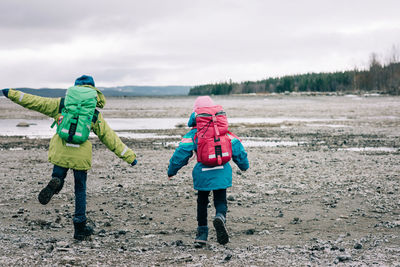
<point>331,200</point>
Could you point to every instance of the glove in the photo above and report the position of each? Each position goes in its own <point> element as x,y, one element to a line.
<point>134,163</point>
<point>5,92</point>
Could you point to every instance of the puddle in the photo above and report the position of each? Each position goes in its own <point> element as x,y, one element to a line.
<point>166,144</point>
<point>371,95</point>
<point>248,142</point>
<point>327,125</point>
<point>355,97</point>
<point>146,135</point>
<point>383,118</point>
<point>254,143</point>
<point>36,129</point>
<point>145,123</point>
<point>368,149</point>
<point>132,110</point>
<point>42,128</point>
<point>281,120</point>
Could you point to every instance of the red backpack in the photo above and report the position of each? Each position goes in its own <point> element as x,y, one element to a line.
<point>213,144</point>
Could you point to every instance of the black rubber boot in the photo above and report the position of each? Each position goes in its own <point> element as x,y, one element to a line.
<point>82,231</point>
<point>60,187</point>
<point>201,236</point>
<point>54,186</point>
<point>222,233</point>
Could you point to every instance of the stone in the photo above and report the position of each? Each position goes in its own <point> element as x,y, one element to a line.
<point>250,232</point>
<point>228,257</point>
<point>50,248</point>
<point>179,243</point>
<point>343,258</point>
<point>23,124</point>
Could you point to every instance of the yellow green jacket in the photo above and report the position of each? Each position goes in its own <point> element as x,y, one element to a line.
<point>73,156</point>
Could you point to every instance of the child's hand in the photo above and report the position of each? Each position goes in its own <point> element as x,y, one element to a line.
<point>134,163</point>
<point>170,177</point>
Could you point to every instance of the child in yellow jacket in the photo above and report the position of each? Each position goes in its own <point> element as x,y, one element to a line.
<point>78,157</point>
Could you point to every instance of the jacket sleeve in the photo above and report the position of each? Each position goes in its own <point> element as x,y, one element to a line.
<point>45,105</point>
<point>182,154</point>
<point>108,137</point>
<point>239,154</point>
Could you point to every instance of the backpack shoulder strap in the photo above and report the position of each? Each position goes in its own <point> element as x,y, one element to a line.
<point>95,116</point>
<point>62,105</point>
<point>232,136</point>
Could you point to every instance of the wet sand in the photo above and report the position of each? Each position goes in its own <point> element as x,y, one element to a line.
<point>331,199</point>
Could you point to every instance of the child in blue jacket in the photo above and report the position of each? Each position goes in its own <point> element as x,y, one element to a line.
<point>206,178</point>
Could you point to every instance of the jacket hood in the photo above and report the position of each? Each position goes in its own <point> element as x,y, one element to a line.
<point>203,101</point>
<point>101,99</point>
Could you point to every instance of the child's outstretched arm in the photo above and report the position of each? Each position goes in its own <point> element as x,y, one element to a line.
<point>239,154</point>
<point>182,154</point>
<point>108,137</point>
<point>45,105</point>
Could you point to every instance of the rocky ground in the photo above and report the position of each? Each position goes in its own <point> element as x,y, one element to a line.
<point>331,200</point>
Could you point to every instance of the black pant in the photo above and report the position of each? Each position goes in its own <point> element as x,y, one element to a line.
<point>220,205</point>
<point>80,191</point>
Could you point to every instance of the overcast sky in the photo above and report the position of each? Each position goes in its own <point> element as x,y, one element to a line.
<point>48,43</point>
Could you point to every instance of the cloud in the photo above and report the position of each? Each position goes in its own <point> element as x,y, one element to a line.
<point>155,42</point>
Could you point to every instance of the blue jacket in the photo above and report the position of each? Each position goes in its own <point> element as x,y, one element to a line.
<point>206,178</point>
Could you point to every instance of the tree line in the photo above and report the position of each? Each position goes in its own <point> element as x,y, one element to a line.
<point>378,78</point>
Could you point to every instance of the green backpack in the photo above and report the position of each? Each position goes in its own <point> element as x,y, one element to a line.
<point>77,113</point>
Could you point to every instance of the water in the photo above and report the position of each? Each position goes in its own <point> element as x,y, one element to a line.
<point>280,120</point>
<point>37,128</point>
<point>42,129</point>
<point>247,142</point>
<point>370,149</point>
<point>327,125</point>
<point>146,135</point>
<point>253,143</point>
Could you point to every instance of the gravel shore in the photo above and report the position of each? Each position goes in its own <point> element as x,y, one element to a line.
<point>331,199</point>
